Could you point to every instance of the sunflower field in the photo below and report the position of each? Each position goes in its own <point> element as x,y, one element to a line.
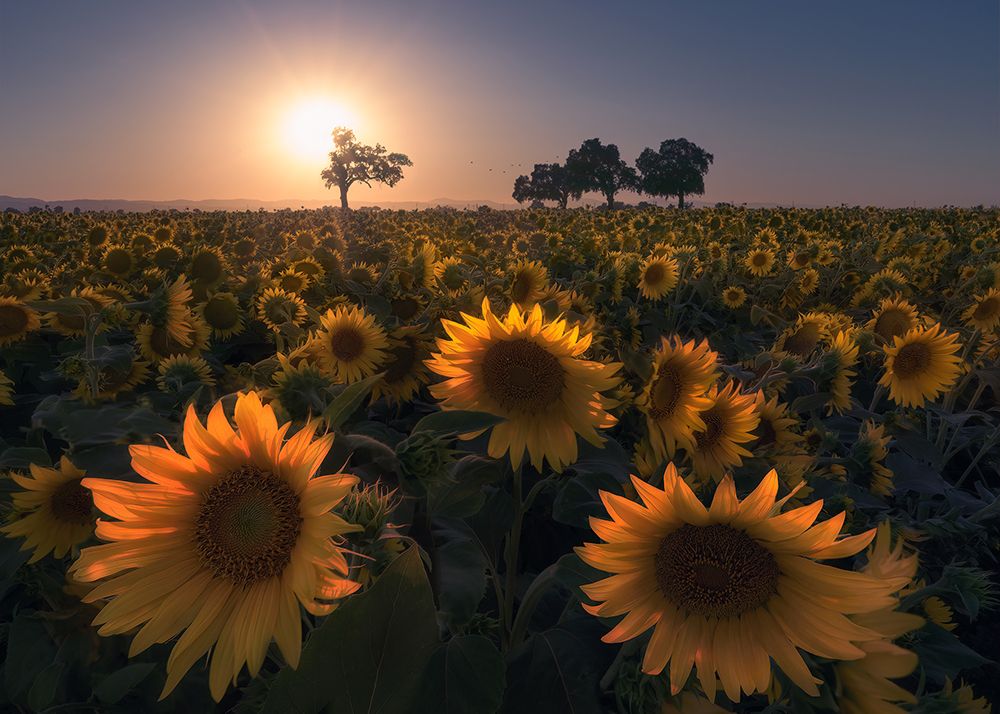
<point>644,461</point>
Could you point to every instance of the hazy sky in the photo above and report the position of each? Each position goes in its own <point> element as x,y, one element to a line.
<point>888,102</point>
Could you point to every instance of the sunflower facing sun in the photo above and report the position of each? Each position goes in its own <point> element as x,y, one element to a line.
<point>220,546</point>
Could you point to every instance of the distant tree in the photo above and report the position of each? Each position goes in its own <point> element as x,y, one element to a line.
<point>599,167</point>
<point>352,162</point>
<point>547,182</point>
<point>677,169</point>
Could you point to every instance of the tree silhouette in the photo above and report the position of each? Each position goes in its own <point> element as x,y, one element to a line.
<point>548,182</point>
<point>677,169</point>
<point>599,167</point>
<point>352,162</point>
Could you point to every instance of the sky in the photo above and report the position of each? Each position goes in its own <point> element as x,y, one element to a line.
<point>895,102</point>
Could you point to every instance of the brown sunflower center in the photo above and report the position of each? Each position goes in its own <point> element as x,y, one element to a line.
<point>803,340</point>
<point>222,313</point>
<point>402,359</point>
<point>119,261</point>
<point>162,344</point>
<point>13,320</point>
<point>405,308</point>
<point>987,309</point>
<point>347,343</point>
<point>891,323</point>
<point>759,260</point>
<point>715,571</point>
<point>912,360</point>
<point>248,525</point>
<point>72,503</point>
<point>666,392</point>
<point>206,267</point>
<point>654,273</point>
<point>522,376</point>
<point>715,428</point>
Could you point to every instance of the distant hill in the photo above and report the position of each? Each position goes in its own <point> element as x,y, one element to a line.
<point>223,204</point>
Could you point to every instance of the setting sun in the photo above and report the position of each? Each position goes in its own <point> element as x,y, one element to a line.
<point>308,124</point>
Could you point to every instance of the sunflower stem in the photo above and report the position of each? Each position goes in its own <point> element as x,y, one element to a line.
<point>513,546</point>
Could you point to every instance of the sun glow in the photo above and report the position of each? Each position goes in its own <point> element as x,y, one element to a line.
<point>308,125</point>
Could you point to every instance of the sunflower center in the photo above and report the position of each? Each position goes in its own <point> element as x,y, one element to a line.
<point>912,360</point>
<point>803,340</point>
<point>666,392</point>
<point>13,320</point>
<point>759,260</point>
<point>403,357</point>
<point>206,267</point>
<point>715,427</point>
<point>892,323</point>
<point>347,344</point>
<point>523,376</point>
<point>715,571</point>
<point>248,525</point>
<point>987,309</point>
<point>72,503</point>
<point>119,262</point>
<point>654,273</point>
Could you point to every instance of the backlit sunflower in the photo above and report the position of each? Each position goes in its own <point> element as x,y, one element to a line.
<point>984,313</point>
<point>451,275</point>
<point>116,377</point>
<point>53,513</point>
<point>529,372</point>
<point>759,262</point>
<point>894,317</point>
<point>183,372</point>
<point>222,546</point>
<point>277,308</point>
<point>733,296</point>
<point>207,266</point>
<point>729,422</point>
<point>921,365</point>
<point>528,279</point>
<point>74,324</point>
<point>869,452</point>
<point>363,273</point>
<point>730,587</point>
<point>802,338</point>
<point>156,343</point>
<point>775,433</point>
<point>404,370</point>
<point>351,345</point>
<point>222,312</point>
<point>292,281</point>
<point>16,320</point>
<point>658,276</point>
<point>840,360</point>
<point>675,396</point>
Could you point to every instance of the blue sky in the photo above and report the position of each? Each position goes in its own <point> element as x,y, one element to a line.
<point>891,102</point>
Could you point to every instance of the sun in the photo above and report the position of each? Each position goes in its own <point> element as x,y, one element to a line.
<point>308,124</point>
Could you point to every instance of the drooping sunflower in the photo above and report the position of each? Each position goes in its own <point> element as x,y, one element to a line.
<point>53,513</point>
<point>207,266</point>
<point>300,387</point>
<point>730,587</point>
<point>894,317</point>
<point>183,372</point>
<point>984,313</point>
<point>222,545</point>
<point>840,360</point>
<point>351,345</point>
<point>451,275</point>
<point>528,279</point>
<point>116,377</point>
<point>16,320</point>
<point>405,368</point>
<point>921,365</point>
<point>870,450</point>
<point>759,262</point>
<point>802,338</point>
<point>74,324</point>
<point>6,390</point>
<point>277,308</point>
<point>729,422</point>
<point>676,393</point>
<point>658,276</point>
<point>118,261</point>
<point>529,372</point>
<point>775,433</point>
<point>733,296</point>
<point>222,312</point>
<point>156,343</point>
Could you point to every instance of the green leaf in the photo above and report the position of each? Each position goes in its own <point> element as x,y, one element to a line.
<point>21,457</point>
<point>446,423</point>
<point>459,576</point>
<point>29,651</point>
<point>113,688</point>
<point>45,687</point>
<point>462,494</point>
<point>369,654</point>
<point>942,654</point>
<point>348,401</point>
<point>579,498</point>
<point>465,676</point>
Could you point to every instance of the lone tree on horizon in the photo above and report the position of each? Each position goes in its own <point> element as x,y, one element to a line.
<point>352,162</point>
<point>600,167</point>
<point>547,182</point>
<point>677,169</point>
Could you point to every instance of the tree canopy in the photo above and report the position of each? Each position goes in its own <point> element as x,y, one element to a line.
<point>352,162</point>
<point>600,167</point>
<point>547,182</point>
<point>677,169</point>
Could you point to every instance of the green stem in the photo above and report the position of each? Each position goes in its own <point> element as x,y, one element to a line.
<point>536,590</point>
<point>513,546</point>
<point>975,460</point>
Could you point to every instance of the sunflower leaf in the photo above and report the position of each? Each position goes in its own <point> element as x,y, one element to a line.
<point>348,401</point>
<point>446,423</point>
<point>465,676</point>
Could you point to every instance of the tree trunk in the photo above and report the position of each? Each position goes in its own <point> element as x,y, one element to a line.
<point>680,200</point>
<point>611,200</point>
<point>343,197</point>
<point>563,200</point>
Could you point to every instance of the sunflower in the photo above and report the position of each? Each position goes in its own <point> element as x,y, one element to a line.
<point>675,395</point>
<point>118,261</point>
<point>529,372</point>
<point>984,313</point>
<point>223,544</point>
<point>16,320</point>
<point>528,279</point>
<point>841,359</point>
<point>166,256</point>
<point>54,512</point>
<point>182,372</point>
<point>405,370</point>
<point>114,378</point>
<point>301,389</point>
<point>351,345</point>
<point>6,390</point>
<point>802,338</point>
<point>223,314</point>
<point>451,275</point>
<point>808,281</point>
<point>363,274</point>
<point>733,296</point>
<point>775,433</point>
<point>658,276</point>
<point>730,586</point>
<point>422,265</point>
<point>292,281</point>
<point>729,420</point>
<point>894,317</point>
<point>156,343</point>
<point>800,259</point>
<point>277,308</point>
<point>207,266</point>
<point>74,324</point>
<point>921,365</point>
<point>869,451</point>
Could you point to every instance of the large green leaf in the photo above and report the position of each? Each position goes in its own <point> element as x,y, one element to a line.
<point>446,423</point>
<point>465,676</point>
<point>348,401</point>
<point>460,579</point>
<point>368,656</point>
